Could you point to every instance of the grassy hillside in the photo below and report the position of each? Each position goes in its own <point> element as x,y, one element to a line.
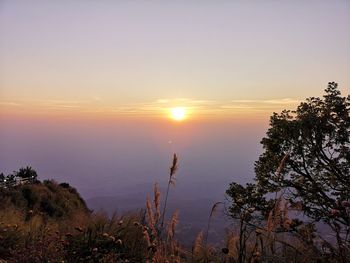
<point>48,199</point>
<point>49,222</point>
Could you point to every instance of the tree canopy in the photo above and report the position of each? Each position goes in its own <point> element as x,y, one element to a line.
<point>315,141</point>
<point>24,175</point>
<point>305,161</point>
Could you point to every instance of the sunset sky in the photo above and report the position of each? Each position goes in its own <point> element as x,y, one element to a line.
<point>141,57</point>
<point>87,87</point>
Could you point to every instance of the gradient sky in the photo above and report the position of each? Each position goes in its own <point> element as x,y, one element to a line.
<point>85,86</point>
<point>141,57</point>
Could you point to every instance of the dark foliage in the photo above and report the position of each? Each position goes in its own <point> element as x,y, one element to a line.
<point>306,166</point>
<point>316,139</point>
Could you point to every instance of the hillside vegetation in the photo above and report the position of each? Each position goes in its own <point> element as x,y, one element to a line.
<point>48,199</point>
<point>50,222</point>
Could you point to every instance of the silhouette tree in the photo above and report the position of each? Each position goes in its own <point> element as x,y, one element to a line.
<point>10,180</point>
<point>313,143</point>
<point>2,179</point>
<point>315,140</point>
<point>27,173</point>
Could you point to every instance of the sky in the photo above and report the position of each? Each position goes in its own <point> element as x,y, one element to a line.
<point>86,87</point>
<point>140,57</point>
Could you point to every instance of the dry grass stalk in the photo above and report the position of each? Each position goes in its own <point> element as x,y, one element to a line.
<point>146,237</point>
<point>231,244</point>
<point>156,202</point>
<point>279,216</point>
<point>214,209</point>
<point>212,212</point>
<point>282,165</point>
<point>150,212</point>
<point>275,216</point>
<point>269,224</point>
<point>173,170</point>
<point>150,216</point>
<point>197,246</point>
<point>172,225</point>
<point>285,217</point>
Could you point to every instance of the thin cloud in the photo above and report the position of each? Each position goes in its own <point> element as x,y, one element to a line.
<point>162,105</point>
<point>273,101</point>
<point>9,103</point>
<point>199,106</point>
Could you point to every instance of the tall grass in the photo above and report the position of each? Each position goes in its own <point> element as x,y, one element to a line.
<point>171,181</point>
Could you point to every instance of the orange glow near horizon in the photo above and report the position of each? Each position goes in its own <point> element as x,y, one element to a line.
<point>176,114</point>
<point>161,110</point>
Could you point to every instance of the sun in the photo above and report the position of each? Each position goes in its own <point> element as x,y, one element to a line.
<point>178,113</point>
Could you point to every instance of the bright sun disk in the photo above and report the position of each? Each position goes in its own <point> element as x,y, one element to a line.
<point>178,113</point>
